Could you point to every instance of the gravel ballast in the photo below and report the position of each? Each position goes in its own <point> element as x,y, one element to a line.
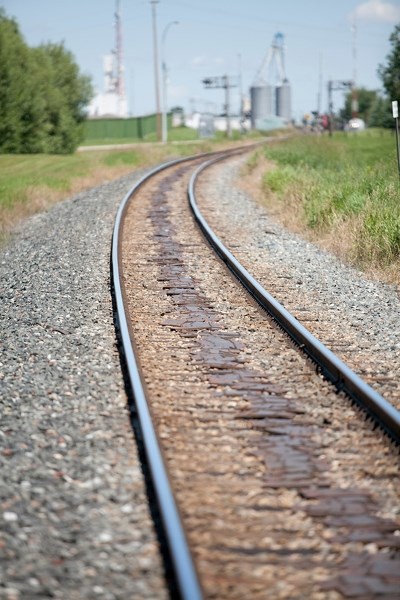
<point>356,318</point>
<point>283,490</point>
<point>74,517</point>
<point>74,513</point>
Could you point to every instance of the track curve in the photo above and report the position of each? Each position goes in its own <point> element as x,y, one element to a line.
<point>186,575</point>
<point>332,368</point>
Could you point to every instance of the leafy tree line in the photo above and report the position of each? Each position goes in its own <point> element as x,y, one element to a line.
<point>42,95</point>
<point>373,107</point>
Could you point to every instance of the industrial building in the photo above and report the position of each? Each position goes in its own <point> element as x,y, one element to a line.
<point>113,101</point>
<point>270,94</point>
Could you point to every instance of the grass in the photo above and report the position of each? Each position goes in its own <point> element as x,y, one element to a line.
<point>175,134</point>
<point>32,183</point>
<point>344,192</point>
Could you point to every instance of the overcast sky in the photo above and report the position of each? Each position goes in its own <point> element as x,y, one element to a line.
<point>218,37</point>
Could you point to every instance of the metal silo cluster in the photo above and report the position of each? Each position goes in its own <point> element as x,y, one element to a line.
<point>270,94</point>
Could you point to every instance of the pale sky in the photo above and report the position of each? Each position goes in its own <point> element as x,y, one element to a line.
<point>218,37</point>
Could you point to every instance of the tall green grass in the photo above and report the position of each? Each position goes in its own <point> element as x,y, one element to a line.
<point>345,179</point>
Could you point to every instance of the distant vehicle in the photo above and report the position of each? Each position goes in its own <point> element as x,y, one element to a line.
<point>355,125</point>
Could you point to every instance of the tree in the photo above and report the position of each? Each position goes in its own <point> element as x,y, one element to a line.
<point>381,113</point>
<point>15,85</point>
<point>42,95</point>
<point>366,99</point>
<point>390,73</point>
<point>66,94</point>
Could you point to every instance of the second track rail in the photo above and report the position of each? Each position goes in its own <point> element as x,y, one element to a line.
<point>332,368</point>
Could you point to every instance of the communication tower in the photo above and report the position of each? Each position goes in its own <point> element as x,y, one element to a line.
<point>113,101</point>
<point>117,79</point>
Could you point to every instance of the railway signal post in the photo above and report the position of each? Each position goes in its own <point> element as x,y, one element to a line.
<point>226,83</point>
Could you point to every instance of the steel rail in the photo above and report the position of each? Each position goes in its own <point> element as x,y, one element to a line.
<point>185,572</point>
<point>332,368</point>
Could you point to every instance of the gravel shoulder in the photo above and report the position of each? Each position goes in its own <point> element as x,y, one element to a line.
<point>74,517</point>
<point>355,317</point>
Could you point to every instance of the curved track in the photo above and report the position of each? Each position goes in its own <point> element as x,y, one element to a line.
<point>332,368</point>
<point>185,573</point>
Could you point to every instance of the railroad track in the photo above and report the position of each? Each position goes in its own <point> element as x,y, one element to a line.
<point>217,412</point>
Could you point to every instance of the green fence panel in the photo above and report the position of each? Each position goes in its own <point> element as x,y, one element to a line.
<point>132,128</point>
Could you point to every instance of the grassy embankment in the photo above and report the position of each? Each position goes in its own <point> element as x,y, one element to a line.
<point>31,183</point>
<point>342,192</point>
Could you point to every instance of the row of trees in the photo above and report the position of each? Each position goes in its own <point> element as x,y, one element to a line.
<point>42,95</point>
<point>373,107</point>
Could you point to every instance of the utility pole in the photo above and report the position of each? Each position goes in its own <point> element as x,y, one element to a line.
<point>165,82</point>
<point>227,107</point>
<point>156,73</point>
<point>319,95</point>
<point>354,99</point>
<point>241,110</point>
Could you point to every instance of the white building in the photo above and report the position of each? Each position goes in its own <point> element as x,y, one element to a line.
<point>112,102</point>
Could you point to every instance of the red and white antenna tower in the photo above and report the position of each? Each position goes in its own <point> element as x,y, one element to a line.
<point>119,75</point>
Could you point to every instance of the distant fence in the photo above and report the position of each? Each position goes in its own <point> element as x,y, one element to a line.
<point>134,128</point>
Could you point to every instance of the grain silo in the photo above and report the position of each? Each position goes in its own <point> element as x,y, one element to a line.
<point>271,93</point>
<point>261,103</point>
<point>284,100</point>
